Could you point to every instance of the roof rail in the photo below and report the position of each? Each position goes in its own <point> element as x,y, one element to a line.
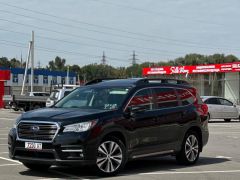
<point>168,81</point>
<point>95,81</point>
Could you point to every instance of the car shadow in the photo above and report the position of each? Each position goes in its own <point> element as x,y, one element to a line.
<point>146,165</point>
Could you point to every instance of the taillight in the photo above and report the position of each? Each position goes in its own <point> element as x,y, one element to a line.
<point>204,107</point>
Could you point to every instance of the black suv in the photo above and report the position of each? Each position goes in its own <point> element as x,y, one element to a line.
<point>105,124</point>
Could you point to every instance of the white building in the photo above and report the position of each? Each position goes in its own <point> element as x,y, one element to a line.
<point>42,80</point>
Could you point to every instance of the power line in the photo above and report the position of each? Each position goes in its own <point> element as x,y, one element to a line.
<point>89,38</point>
<point>105,27</point>
<point>157,13</point>
<point>40,48</point>
<point>85,44</point>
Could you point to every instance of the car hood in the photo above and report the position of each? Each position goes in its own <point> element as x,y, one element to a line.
<point>64,115</point>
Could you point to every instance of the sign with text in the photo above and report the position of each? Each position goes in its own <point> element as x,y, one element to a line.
<point>199,69</point>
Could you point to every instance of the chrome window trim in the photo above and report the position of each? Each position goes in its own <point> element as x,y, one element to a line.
<point>37,122</point>
<point>174,88</point>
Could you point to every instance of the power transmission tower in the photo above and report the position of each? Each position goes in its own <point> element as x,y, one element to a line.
<point>103,61</point>
<point>134,59</point>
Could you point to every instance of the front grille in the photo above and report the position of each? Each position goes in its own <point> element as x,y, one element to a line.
<point>37,131</point>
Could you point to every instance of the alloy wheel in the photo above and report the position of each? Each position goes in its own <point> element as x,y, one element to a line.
<point>109,156</point>
<point>191,148</point>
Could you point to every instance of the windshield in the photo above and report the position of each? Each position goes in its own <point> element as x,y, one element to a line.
<point>103,98</point>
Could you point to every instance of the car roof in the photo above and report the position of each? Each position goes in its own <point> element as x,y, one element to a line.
<point>133,82</point>
<point>208,97</point>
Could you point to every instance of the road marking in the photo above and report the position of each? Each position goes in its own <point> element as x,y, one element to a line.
<point>48,179</point>
<point>3,165</point>
<point>3,138</point>
<point>3,134</point>
<point>10,160</point>
<point>223,157</point>
<point>3,144</point>
<point>7,119</point>
<point>190,172</point>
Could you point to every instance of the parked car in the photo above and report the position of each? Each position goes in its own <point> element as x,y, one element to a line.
<point>45,94</point>
<point>58,93</point>
<point>109,123</point>
<point>221,108</point>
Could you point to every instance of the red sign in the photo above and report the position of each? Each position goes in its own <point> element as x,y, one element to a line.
<point>4,75</point>
<point>210,68</point>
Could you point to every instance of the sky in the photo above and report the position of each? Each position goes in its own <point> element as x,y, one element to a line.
<point>81,30</point>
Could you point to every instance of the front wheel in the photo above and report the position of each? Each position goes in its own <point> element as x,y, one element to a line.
<point>190,149</point>
<point>37,167</point>
<point>111,157</point>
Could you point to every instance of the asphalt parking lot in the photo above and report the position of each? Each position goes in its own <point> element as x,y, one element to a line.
<point>219,160</point>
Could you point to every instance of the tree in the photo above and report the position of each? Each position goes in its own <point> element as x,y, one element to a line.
<point>4,62</point>
<point>57,64</point>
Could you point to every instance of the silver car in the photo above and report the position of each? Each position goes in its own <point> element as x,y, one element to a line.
<point>220,108</point>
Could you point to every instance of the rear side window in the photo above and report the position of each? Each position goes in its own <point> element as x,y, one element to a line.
<point>185,96</point>
<point>213,101</point>
<point>142,100</point>
<point>165,97</point>
<point>226,102</point>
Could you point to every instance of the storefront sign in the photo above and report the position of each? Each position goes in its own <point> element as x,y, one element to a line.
<point>199,69</point>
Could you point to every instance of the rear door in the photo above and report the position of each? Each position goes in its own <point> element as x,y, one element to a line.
<point>168,116</point>
<point>229,109</point>
<point>215,108</point>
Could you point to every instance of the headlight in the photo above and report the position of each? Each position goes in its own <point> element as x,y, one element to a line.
<point>16,122</point>
<point>80,127</point>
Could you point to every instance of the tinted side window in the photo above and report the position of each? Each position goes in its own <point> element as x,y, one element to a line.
<point>226,102</point>
<point>185,96</point>
<point>142,100</point>
<point>213,101</point>
<point>165,97</point>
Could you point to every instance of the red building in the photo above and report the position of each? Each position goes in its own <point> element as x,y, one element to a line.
<point>4,76</point>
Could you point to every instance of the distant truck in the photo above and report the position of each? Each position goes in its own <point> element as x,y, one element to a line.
<point>32,100</point>
<point>58,93</point>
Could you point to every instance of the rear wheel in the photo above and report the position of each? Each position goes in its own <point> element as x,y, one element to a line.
<point>37,167</point>
<point>227,120</point>
<point>111,157</point>
<point>190,149</point>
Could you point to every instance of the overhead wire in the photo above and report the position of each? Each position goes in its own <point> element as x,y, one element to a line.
<point>111,28</point>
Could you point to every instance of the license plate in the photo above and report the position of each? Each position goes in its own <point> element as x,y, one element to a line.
<point>33,145</point>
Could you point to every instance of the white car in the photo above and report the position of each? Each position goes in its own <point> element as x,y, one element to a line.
<point>220,108</point>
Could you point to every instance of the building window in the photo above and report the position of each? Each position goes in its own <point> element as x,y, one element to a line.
<point>54,80</point>
<point>35,80</point>
<point>45,79</point>
<point>15,78</point>
<point>71,80</point>
<point>63,80</point>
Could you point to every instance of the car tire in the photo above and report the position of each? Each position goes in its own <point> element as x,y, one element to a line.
<point>110,157</point>
<point>227,120</point>
<point>190,149</point>
<point>37,167</point>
